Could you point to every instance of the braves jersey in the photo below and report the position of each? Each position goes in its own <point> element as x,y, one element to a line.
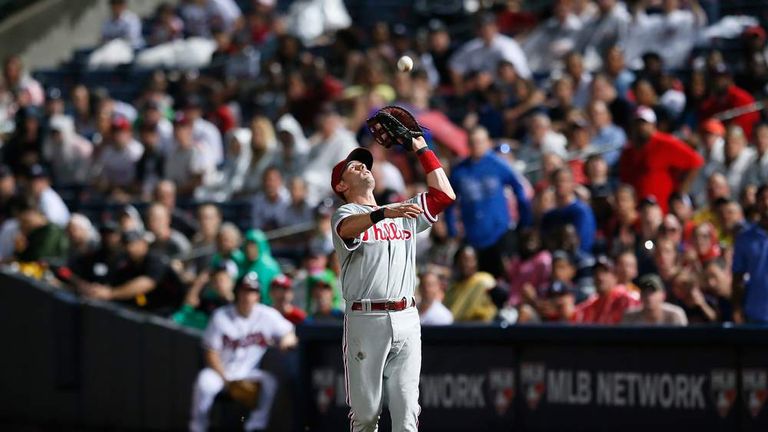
<point>242,341</point>
<point>381,262</point>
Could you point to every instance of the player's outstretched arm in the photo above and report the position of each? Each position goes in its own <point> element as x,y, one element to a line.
<point>352,226</point>
<point>440,194</point>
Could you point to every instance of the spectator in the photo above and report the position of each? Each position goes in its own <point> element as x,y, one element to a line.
<point>551,40</point>
<point>25,146</point>
<point>268,207</point>
<point>122,24</point>
<point>153,117</point>
<point>730,220</point>
<point>83,237</point>
<point>165,194</point>
<point>332,143</point>
<point>298,215</point>
<point>612,299</point>
<point>118,158</point>
<point>49,201</point>
<point>725,95</point>
<point>757,169</point>
<point>150,169</point>
<point>322,304</point>
<point>167,241</point>
<point>99,265</point>
<point>291,156</point>
<point>228,340</point>
<point>651,162</point>
<point>654,310</point>
<point>166,25</point>
<point>40,239</point>
<point>614,67</point>
<point>483,53</point>
<point>281,293</point>
<point>687,294</point>
<point>529,271</point>
<point>67,153</point>
<point>442,247</point>
<point>750,289</point>
<point>468,298</point>
<point>704,244</point>
<point>204,240</point>
<point>608,139</point>
<point>259,260</point>
<point>143,279</point>
<point>620,108</point>
<point>540,141</point>
<point>737,158</point>
<point>20,83</point>
<point>7,192</point>
<point>187,165</point>
<point>262,143</point>
<point>717,285</point>
<point>431,308</point>
<point>480,181</point>
<point>228,252</point>
<point>574,68</point>
<point>626,271</point>
<point>203,131</point>
<point>605,29</point>
<point>440,50</point>
<point>559,306</point>
<point>230,178</point>
<point>569,211</point>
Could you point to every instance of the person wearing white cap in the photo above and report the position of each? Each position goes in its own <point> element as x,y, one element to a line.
<point>654,160</point>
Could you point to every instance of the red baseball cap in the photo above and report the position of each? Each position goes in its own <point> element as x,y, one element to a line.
<point>282,281</point>
<point>713,126</point>
<point>359,154</point>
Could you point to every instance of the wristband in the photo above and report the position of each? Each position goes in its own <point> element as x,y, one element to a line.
<point>429,161</point>
<point>377,216</point>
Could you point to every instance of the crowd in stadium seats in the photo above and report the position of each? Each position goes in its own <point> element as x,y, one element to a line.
<point>610,162</point>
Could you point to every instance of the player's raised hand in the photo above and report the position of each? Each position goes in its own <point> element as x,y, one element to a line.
<point>403,210</point>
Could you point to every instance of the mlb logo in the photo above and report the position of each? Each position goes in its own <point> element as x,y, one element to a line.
<point>502,386</point>
<point>723,390</point>
<point>754,383</point>
<point>323,385</point>
<point>532,377</point>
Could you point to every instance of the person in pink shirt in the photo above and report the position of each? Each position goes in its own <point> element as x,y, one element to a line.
<point>530,268</point>
<point>611,301</point>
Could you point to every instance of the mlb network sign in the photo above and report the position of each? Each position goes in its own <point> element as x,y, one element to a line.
<point>494,389</point>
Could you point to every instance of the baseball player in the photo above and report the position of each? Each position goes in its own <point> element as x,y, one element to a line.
<point>234,342</point>
<point>376,248</point>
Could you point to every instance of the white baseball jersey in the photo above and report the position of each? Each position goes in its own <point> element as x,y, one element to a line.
<point>381,262</point>
<point>242,341</point>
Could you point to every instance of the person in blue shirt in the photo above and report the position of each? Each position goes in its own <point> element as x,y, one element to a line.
<point>750,267</point>
<point>569,210</point>
<point>479,182</point>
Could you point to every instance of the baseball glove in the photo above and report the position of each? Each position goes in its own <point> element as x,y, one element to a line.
<point>393,125</point>
<point>245,392</point>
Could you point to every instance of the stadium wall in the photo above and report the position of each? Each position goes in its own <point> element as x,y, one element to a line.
<point>72,363</point>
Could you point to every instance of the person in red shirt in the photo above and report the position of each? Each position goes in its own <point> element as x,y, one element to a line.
<point>656,163</point>
<point>726,95</point>
<point>282,299</point>
<point>612,299</point>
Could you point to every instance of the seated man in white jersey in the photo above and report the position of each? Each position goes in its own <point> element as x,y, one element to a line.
<point>235,340</point>
<point>377,251</point>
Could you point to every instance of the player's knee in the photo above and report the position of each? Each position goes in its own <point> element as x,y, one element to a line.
<point>365,416</point>
<point>209,381</point>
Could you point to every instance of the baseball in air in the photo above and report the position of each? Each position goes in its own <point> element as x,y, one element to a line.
<point>405,64</point>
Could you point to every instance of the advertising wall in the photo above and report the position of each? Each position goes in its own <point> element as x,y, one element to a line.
<point>576,379</point>
<point>90,365</point>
